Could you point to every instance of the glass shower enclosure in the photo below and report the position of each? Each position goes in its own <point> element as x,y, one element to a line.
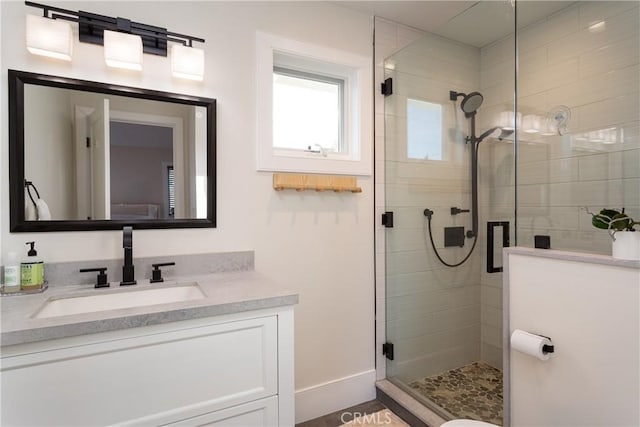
<point>509,122</point>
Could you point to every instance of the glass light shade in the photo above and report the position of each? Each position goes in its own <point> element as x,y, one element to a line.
<point>49,37</point>
<point>610,136</point>
<point>122,50</point>
<point>531,123</point>
<point>187,62</point>
<point>509,120</point>
<point>596,136</point>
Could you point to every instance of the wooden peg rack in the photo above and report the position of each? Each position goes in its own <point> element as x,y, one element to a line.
<point>302,182</point>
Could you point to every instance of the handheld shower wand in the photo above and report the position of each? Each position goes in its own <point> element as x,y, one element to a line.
<point>469,105</point>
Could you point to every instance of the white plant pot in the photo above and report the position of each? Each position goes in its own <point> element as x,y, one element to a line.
<point>626,245</point>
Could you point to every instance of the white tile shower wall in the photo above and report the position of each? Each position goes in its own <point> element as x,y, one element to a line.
<point>585,57</point>
<point>432,312</point>
<point>599,51</point>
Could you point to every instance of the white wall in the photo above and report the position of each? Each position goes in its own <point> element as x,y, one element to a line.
<point>593,376</point>
<point>320,245</point>
<point>50,157</point>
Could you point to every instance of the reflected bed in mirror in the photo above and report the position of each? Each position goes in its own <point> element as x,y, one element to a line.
<point>92,156</point>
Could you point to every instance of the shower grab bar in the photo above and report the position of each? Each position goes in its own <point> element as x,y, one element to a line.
<point>491,225</point>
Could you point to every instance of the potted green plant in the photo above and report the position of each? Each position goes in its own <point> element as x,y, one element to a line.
<point>621,228</point>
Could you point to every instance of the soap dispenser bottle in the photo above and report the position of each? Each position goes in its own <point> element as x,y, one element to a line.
<point>31,270</point>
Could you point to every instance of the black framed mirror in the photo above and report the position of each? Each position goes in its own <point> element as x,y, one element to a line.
<point>85,156</point>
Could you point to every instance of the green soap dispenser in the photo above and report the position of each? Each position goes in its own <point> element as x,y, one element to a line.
<point>31,270</point>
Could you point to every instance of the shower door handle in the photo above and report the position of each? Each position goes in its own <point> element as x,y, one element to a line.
<point>491,225</point>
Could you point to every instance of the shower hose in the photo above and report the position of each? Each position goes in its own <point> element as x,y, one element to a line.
<point>429,213</point>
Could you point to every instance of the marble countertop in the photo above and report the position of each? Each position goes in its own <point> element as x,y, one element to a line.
<point>225,293</point>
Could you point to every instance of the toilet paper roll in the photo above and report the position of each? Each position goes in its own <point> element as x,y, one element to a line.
<point>530,344</point>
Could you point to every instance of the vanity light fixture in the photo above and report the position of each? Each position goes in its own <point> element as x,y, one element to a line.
<point>122,50</point>
<point>187,62</point>
<point>509,120</point>
<point>549,127</point>
<point>124,40</point>
<point>48,37</point>
<point>531,123</point>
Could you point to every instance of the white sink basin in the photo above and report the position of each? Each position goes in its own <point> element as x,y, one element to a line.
<point>117,300</point>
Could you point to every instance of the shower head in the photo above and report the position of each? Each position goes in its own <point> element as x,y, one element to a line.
<point>471,102</point>
<point>503,134</point>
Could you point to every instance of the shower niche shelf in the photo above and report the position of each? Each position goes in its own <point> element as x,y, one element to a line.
<point>315,182</point>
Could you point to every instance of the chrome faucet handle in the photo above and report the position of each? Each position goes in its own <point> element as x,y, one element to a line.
<point>101,280</point>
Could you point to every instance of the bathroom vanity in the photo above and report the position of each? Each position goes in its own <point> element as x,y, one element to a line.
<point>218,352</point>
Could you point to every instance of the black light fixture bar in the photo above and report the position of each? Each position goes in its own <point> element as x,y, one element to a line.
<point>91,28</point>
<point>46,9</point>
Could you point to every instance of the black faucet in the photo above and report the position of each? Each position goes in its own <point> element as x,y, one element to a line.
<point>128,276</point>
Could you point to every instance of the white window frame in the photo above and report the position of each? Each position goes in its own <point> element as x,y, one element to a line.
<point>289,71</point>
<point>356,70</point>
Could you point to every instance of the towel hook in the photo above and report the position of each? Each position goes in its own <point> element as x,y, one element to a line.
<point>27,185</point>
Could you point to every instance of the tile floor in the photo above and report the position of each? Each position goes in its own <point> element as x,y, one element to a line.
<point>473,391</point>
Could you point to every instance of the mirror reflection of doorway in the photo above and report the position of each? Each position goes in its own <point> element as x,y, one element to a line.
<point>142,182</point>
<point>99,162</point>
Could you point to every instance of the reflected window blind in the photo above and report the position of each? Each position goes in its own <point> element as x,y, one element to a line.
<point>171,185</point>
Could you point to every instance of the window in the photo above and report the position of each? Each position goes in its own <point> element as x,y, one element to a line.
<point>308,111</point>
<point>424,130</point>
<point>314,108</point>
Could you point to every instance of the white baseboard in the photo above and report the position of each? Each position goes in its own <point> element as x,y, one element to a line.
<point>318,400</point>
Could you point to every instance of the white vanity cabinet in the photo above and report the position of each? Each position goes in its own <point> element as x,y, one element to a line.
<point>229,370</point>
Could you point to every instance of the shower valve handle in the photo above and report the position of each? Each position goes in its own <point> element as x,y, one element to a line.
<point>456,210</point>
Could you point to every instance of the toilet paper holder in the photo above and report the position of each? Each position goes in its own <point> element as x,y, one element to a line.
<point>535,345</point>
<point>547,348</point>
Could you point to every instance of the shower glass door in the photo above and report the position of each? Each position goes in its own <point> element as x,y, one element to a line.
<point>451,88</point>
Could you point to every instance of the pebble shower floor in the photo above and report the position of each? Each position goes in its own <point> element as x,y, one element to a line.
<point>473,391</point>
